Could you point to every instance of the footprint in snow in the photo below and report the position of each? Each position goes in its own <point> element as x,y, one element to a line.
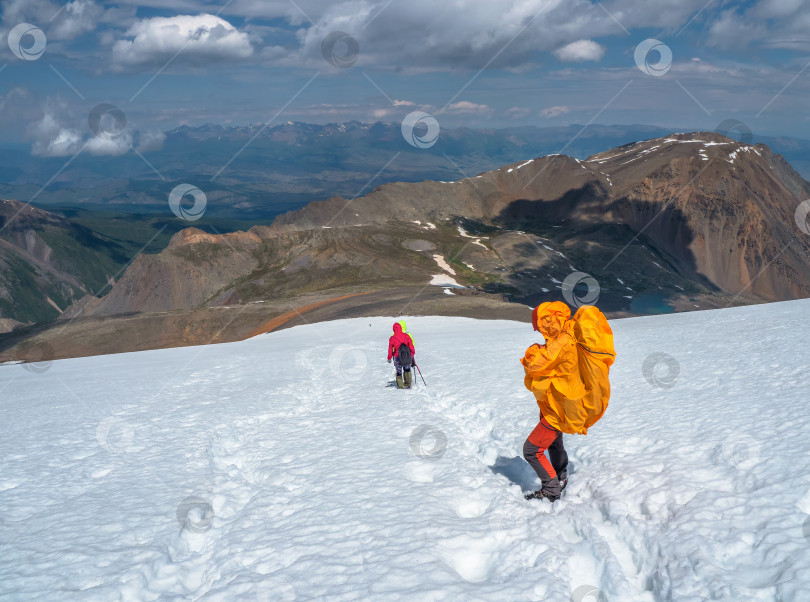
<point>474,559</point>
<point>420,471</point>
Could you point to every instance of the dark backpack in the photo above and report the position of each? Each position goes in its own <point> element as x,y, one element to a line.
<point>404,355</point>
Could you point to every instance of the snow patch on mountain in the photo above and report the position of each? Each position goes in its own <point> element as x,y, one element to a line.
<point>443,264</point>
<point>444,280</point>
<point>477,239</point>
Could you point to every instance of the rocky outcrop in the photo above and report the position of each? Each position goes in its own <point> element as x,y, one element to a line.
<point>724,210</point>
<point>7,324</point>
<point>190,236</point>
<point>193,268</point>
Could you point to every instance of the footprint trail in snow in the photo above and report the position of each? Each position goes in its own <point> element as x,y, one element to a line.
<point>286,468</point>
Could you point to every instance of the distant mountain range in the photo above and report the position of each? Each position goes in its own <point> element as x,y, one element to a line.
<point>256,172</point>
<point>50,259</point>
<point>674,223</point>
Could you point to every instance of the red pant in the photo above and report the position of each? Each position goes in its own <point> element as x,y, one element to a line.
<point>545,437</point>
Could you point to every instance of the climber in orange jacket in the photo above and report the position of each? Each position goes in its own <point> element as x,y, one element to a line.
<point>553,376</point>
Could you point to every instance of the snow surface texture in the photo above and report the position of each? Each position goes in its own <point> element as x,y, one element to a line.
<point>287,467</point>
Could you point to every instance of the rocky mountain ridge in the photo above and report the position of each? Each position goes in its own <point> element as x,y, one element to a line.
<point>676,223</point>
<point>714,215</point>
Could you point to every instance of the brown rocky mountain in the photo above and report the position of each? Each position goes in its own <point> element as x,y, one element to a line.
<point>691,220</point>
<point>47,262</point>
<point>718,210</point>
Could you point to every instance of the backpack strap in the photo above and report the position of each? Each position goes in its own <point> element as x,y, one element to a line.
<point>596,352</point>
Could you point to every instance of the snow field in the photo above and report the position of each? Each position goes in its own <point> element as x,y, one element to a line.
<point>288,467</point>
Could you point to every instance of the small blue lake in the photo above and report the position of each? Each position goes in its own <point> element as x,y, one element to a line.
<point>651,303</point>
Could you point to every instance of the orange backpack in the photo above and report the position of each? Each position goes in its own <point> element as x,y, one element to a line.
<point>595,355</point>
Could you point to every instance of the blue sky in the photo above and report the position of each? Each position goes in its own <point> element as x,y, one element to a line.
<point>468,63</point>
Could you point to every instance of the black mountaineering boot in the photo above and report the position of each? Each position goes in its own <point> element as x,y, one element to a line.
<point>542,495</point>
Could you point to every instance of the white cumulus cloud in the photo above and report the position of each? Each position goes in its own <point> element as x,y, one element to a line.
<point>151,140</point>
<point>60,132</point>
<point>767,23</point>
<point>62,21</point>
<point>76,18</point>
<point>199,39</point>
<point>15,95</point>
<point>581,50</point>
<point>468,108</point>
<point>109,147</point>
<point>555,111</point>
<point>518,112</point>
<point>52,138</point>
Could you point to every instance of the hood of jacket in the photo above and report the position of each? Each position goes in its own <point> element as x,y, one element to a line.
<point>549,318</point>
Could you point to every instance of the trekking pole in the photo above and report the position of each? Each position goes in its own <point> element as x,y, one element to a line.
<point>420,374</point>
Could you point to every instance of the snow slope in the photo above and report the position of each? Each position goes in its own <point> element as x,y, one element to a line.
<point>287,468</point>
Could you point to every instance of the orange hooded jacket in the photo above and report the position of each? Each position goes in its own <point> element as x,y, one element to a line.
<point>551,369</point>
